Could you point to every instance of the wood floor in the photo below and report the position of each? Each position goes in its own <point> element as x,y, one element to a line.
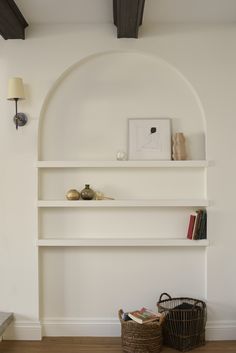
<point>95,345</point>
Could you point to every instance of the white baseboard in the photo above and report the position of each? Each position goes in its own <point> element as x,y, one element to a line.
<point>221,330</point>
<point>103,327</point>
<point>110,327</point>
<point>24,330</point>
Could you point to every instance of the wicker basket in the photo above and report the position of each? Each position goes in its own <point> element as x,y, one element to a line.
<point>140,338</point>
<point>185,321</point>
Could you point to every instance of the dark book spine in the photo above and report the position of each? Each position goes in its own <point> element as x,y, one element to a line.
<point>203,229</point>
<point>191,226</point>
<point>198,223</point>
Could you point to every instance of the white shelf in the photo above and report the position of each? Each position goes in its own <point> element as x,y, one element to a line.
<point>122,242</point>
<point>125,203</point>
<point>123,164</point>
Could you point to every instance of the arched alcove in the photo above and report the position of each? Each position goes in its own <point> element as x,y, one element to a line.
<point>85,117</point>
<point>85,114</point>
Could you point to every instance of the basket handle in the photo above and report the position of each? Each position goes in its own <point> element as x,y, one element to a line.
<point>162,295</point>
<point>120,312</point>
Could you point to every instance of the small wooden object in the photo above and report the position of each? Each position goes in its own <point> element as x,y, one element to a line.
<point>100,196</point>
<point>178,147</point>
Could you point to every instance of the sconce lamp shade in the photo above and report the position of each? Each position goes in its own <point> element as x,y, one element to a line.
<point>15,89</point>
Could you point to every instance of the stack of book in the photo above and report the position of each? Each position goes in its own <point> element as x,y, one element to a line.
<point>197,227</point>
<point>143,316</point>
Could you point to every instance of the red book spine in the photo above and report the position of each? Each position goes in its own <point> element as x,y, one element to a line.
<point>191,226</point>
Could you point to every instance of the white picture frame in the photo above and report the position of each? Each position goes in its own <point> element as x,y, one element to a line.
<point>149,139</point>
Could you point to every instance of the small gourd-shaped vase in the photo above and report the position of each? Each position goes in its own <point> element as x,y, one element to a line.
<point>73,194</point>
<point>87,193</point>
<point>178,147</point>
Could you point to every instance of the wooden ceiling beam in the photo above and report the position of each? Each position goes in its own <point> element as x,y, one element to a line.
<point>128,16</point>
<point>12,22</point>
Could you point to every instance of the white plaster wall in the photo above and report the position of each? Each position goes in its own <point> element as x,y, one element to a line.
<point>85,116</point>
<point>206,56</point>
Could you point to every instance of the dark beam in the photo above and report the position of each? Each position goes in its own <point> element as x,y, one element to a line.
<point>128,16</point>
<point>12,22</point>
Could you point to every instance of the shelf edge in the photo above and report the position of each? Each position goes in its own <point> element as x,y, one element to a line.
<point>123,164</point>
<point>129,242</point>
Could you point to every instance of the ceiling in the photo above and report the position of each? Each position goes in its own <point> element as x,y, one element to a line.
<point>100,11</point>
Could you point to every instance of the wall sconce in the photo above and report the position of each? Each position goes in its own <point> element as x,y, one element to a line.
<point>15,93</point>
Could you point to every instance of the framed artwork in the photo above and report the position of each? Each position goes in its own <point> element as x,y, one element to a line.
<point>149,139</point>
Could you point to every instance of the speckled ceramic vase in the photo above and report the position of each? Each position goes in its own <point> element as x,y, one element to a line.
<point>87,193</point>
